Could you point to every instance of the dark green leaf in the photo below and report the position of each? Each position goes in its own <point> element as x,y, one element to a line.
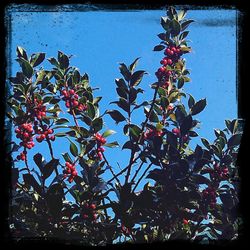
<point>37,59</point>
<point>53,61</point>
<point>67,157</point>
<point>112,144</point>
<point>137,77</point>
<point>234,140</point>
<point>125,72</point>
<point>91,110</point>
<point>61,121</point>
<point>63,60</point>
<point>73,149</point>
<point>175,28</point>
<point>97,124</point>
<point>133,64</point>
<point>159,47</point>
<point>180,83</point>
<point>21,53</point>
<point>162,36</point>
<point>31,181</point>
<point>198,106</point>
<point>116,115</point>
<point>26,67</point>
<point>185,24</point>
<point>49,167</point>
<point>186,125</point>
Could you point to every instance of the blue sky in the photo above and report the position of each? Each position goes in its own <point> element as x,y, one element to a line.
<point>99,40</point>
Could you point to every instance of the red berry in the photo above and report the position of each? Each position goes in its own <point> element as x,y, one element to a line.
<point>185,222</point>
<point>67,104</point>
<point>52,138</point>
<point>176,131</point>
<point>75,103</point>
<point>164,61</point>
<point>92,206</point>
<point>74,173</point>
<point>50,131</point>
<point>85,216</point>
<point>170,61</point>
<point>161,69</point>
<point>42,136</point>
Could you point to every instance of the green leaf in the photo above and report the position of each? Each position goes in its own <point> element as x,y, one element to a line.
<point>112,144</point>
<point>205,143</point>
<point>125,72</point>
<point>60,134</point>
<point>108,133</point>
<point>159,47</point>
<point>121,84</point>
<point>97,124</point>
<point>234,140</point>
<point>73,149</point>
<point>26,67</point>
<point>61,121</point>
<point>137,77</point>
<point>31,181</point>
<point>116,115</point>
<point>198,107</point>
<point>183,35</point>
<point>162,36</point>
<point>186,125</point>
<point>122,92</point>
<point>37,59</point>
<point>181,14</point>
<point>53,61</point>
<point>21,53</point>
<point>63,60</point>
<point>133,64</point>
<point>191,101</point>
<point>185,24</point>
<point>91,110</point>
<point>67,157</point>
<point>176,28</point>
<point>180,83</point>
<point>134,130</point>
<point>49,167</point>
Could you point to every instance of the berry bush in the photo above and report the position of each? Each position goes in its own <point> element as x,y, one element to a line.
<point>191,193</point>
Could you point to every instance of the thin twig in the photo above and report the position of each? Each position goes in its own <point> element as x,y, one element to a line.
<point>142,176</point>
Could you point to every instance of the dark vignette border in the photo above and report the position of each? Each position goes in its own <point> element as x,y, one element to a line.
<point>64,5</point>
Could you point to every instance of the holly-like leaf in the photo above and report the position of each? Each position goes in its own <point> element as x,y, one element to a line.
<point>63,60</point>
<point>112,144</point>
<point>21,53</point>
<point>186,124</point>
<point>61,121</point>
<point>125,72</point>
<point>49,168</point>
<point>185,24</point>
<point>37,59</point>
<point>234,140</point>
<point>159,47</point>
<point>175,28</point>
<point>73,149</point>
<point>116,115</point>
<point>26,67</point>
<point>108,133</point>
<point>31,181</point>
<point>137,77</point>
<point>133,64</point>
<point>198,107</point>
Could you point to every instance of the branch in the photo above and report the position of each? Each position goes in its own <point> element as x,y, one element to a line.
<point>141,134</point>
<point>142,176</point>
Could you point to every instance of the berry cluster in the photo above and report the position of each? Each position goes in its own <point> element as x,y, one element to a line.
<point>177,132</point>
<point>173,54</point>
<point>36,109</point>
<point>89,212</point>
<point>43,132</point>
<point>163,74</point>
<point>70,172</point>
<point>209,196</point>
<point>219,173</point>
<point>149,134</point>
<point>125,230</point>
<point>24,132</point>
<point>100,141</point>
<point>72,100</point>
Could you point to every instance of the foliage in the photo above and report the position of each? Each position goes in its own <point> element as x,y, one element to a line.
<point>190,194</point>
